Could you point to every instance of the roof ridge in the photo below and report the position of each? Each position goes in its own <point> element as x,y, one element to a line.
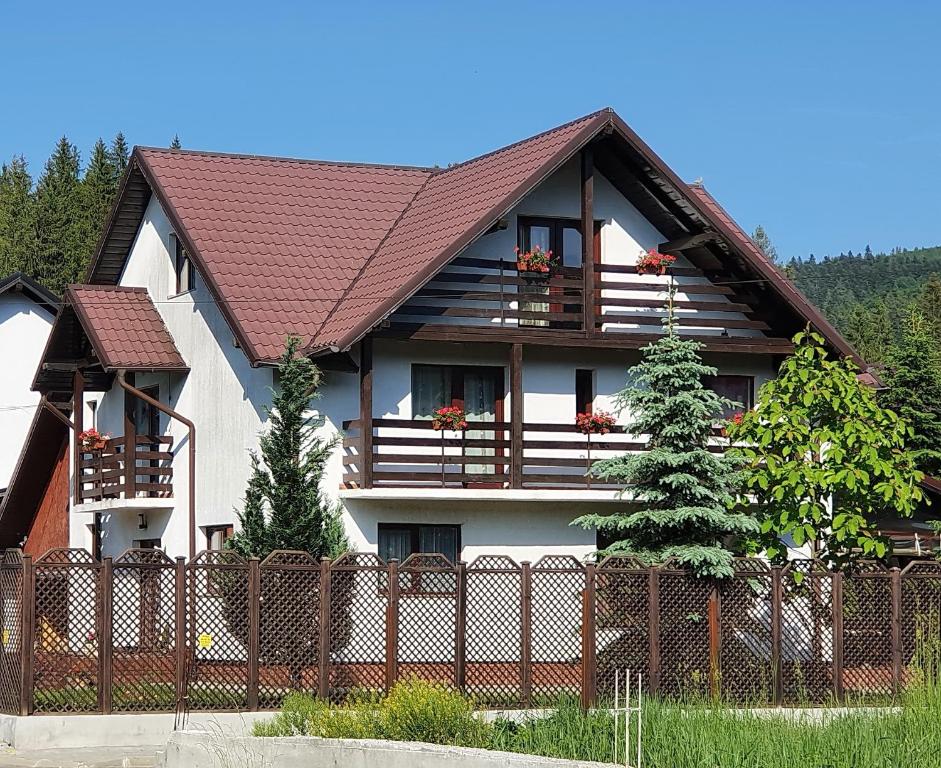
<point>286,159</point>
<point>369,258</point>
<point>589,116</point>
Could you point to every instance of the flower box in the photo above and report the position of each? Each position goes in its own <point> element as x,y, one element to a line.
<point>449,418</point>
<point>599,423</point>
<point>535,261</point>
<point>92,440</point>
<point>653,262</point>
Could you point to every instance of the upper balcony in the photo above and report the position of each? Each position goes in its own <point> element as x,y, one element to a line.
<point>107,478</point>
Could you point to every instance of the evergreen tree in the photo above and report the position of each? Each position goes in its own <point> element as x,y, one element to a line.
<point>119,154</point>
<point>98,191</point>
<point>761,239</point>
<point>176,144</point>
<point>680,491</point>
<point>285,507</point>
<point>59,219</point>
<point>928,303</point>
<point>17,225</point>
<point>913,379</point>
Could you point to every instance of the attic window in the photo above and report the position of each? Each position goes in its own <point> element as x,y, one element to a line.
<point>183,267</point>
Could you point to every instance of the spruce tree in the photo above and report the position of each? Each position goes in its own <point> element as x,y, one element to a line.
<point>912,376</point>
<point>17,225</point>
<point>285,506</point>
<point>119,154</point>
<point>677,491</point>
<point>98,190</point>
<point>761,239</point>
<point>176,143</point>
<point>929,305</point>
<point>59,220</point>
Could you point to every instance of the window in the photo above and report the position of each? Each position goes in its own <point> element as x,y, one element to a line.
<point>584,390</point>
<point>476,389</point>
<point>739,389</point>
<point>183,266</point>
<point>564,238</point>
<point>147,544</point>
<point>399,540</point>
<point>217,536</point>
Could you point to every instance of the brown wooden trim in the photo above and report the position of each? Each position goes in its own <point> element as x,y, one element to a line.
<point>526,633</point>
<point>105,644</point>
<point>78,419</point>
<point>516,415</point>
<point>653,628</point>
<point>130,440</point>
<point>631,269</point>
<point>392,625</point>
<point>588,238</point>
<point>254,631</point>
<point>837,634</point>
<point>777,669</point>
<point>365,409</point>
<point>323,666</point>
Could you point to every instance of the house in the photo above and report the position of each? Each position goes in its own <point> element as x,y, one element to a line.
<point>403,285</point>
<point>34,438</point>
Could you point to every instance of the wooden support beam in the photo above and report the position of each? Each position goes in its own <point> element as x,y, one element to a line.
<point>690,241</point>
<point>516,416</point>
<point>130,441</point>
<point>365,410</point>
<point>78,419</point>
<point>588,240</point>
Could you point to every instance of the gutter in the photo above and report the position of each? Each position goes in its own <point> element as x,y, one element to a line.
<point>192,452</point>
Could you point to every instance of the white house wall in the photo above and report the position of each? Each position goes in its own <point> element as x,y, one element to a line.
<point>222,394</point>
<point>24,327</point>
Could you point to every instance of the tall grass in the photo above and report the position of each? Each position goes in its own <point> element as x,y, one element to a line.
<point>692,734</point>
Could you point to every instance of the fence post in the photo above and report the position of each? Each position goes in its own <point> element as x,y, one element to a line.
<point>777,670</point>
<point>105,646</point>
<point>392,626</point>
<point>254,630</point>
<point>179,587</point>
<point>715,643</point>
<point>460,628</point>
<point>526,633</point>
<point>653,628</point>
<point>323,665</point>
<point>589,665</point>
<point>837,601</point>
<point>27,632</point>
<point>896,592</point>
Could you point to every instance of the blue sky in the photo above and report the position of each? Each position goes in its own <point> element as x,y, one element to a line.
<point>820,121</point>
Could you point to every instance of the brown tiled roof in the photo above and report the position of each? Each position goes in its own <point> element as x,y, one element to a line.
<point>452,209</point>
<point>279,240</point>
<point>124,328</point>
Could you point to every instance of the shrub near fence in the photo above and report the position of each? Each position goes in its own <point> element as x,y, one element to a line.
<point>145,633</point>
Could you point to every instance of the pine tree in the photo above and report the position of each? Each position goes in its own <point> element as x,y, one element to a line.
<point>17,225</point>
<point>119,154</point>
<point>761,239</point>
<point>928,303</point>
<point>680,491</point>
<point>59,220</point>
<point>912,376</point>
<point>176,144</point>
<point>98,191</point>
<point>285,506</point>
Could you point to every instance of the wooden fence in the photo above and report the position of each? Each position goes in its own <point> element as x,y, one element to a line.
<point>143,633</point>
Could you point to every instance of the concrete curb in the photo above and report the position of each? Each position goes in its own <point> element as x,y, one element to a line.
<point>127,730</point>
<point>207,750</point>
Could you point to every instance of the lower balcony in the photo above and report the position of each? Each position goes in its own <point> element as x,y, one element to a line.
<point>110,478</point>
<point>486,457</point>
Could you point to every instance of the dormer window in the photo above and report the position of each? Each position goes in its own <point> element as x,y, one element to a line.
<point>183,267</point>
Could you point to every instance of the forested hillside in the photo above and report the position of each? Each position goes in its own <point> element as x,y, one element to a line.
<point>868,296</point>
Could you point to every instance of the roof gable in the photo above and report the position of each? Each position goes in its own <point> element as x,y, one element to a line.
<point>20,283</point>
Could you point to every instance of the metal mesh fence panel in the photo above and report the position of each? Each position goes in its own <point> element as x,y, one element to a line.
<point>867,633</point>
<point>494,631</point>
<point>11,622</point>
<point>622,621</point>
<point>684,634</point>
<point>143,632</point>
<point>217,653</point>
<point>745,655</point>
<point>359,602</point>
<point>427,620</point>
<point>289,627</point>
<point>66,632</point>
<point>920,616</point>
<point>806,633</point>
<point>558,584</point>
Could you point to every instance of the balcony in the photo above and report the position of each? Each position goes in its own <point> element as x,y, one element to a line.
<point>108,479</point>
<point>408,453</point>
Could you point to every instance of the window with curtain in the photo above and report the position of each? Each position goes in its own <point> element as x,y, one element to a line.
<point>739,389</point>
<point>399,540</point>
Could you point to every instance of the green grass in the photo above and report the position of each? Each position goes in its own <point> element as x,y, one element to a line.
<point>692,734</point>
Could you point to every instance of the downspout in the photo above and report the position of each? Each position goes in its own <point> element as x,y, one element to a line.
<point>192,453</point>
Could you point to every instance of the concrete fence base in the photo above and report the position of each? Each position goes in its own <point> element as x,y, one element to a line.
<point>208,750</point>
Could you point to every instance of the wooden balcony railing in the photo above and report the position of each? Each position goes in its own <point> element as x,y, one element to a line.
<point>107,474</point>
<point>410,454</point>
